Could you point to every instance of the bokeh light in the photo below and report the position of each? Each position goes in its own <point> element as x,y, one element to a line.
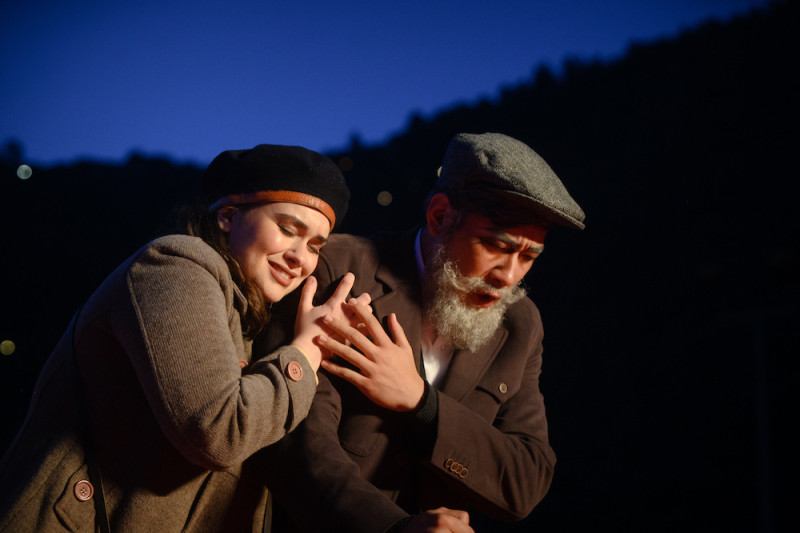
<point>24,172</point>
<point>7,347</point>
<point>384,198</point>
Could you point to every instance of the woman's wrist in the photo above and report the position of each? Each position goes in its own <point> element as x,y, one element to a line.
<point>306,349</point>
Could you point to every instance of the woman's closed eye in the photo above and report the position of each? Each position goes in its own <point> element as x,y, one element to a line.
<point>286,231</point>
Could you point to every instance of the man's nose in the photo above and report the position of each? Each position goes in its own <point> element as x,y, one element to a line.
<point>506,272</point>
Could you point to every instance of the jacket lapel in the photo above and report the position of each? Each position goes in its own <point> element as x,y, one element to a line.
<point>466,368</point>
<point>410,318</point>
<point>398,274</point>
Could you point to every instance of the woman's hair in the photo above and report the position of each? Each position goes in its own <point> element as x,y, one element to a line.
<point>196,220</point>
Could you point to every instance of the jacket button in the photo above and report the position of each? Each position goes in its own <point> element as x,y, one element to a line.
<point>294,371</point>
<point>464,472</point>
<point>503,388</point>
<point>83,490</point>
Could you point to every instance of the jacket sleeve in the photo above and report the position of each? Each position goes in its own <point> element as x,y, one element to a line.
<point>179,328</point>
<point>501,464</point>
<point>317,484</point>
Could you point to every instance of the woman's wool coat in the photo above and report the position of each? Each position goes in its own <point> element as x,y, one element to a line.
<point>174,403</point>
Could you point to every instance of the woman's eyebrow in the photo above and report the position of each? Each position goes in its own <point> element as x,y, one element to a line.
<point>300,224</point>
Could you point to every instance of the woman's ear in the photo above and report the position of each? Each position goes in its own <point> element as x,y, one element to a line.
<point>439,213</point>
<point>225,216</point>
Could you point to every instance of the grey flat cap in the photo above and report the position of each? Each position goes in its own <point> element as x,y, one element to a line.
<point>510,169</point>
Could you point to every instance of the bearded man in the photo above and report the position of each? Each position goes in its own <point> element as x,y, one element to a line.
<point>433,402</point>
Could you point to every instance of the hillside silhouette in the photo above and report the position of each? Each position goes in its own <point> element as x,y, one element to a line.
<point>671,337</point>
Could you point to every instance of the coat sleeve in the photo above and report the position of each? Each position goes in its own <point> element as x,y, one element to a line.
<point>178,326</point>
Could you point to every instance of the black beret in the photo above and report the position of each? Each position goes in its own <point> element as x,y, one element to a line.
<point>276,173</point>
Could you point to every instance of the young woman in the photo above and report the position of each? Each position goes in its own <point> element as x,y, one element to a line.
<point>147,409</point>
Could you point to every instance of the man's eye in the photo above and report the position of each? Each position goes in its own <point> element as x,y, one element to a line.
<point>286,231</point>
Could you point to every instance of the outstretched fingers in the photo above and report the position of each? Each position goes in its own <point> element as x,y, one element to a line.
<point>343,289</point>
<point>348,354</point>
<point>307,294</point>
<point>364,298</point>
<point>351,335</point>
<point>369,323</point>
<point>398,334</point>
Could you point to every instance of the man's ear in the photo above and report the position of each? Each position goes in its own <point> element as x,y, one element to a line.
<point>439,213</point>
<point>225,216</point>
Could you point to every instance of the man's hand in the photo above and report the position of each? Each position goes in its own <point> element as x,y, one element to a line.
<point>309,324</point>
<point>441,520</point>
<point>388,374</point>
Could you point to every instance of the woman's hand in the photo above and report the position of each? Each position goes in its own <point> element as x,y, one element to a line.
<point>309,324</point>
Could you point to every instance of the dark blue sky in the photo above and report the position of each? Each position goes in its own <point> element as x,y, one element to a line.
<point>187,79</point>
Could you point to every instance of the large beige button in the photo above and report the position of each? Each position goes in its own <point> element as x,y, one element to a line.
<point>294,371</point>
<point>503,388</point>
<point>83,490</point>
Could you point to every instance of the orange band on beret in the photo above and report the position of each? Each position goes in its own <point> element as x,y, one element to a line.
<point>292,197</point>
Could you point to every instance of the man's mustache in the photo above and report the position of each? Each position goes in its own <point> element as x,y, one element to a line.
<point>508,295</point>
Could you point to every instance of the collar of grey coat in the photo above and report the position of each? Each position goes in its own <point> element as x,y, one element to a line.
<point>239,299</point>
<point>398,273</point>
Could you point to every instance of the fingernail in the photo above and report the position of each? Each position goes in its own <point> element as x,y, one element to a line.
<point>322,339</point>
<point>327,319</point>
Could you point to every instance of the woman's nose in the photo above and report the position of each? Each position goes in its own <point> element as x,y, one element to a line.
<point>296,256</point>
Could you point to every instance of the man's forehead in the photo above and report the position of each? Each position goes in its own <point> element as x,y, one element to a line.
<point>531,232</point>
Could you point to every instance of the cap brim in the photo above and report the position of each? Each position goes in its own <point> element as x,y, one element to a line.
<point>548,213</point>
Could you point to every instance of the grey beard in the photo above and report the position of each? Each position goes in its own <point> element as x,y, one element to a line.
<point>468,327</point>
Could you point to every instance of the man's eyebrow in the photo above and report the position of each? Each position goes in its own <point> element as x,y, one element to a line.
<point>506,239</point>
<point>301,225</point>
